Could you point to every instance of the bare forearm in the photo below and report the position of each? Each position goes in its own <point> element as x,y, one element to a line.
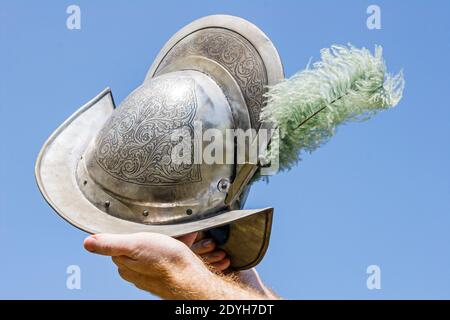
<point>217,287</point>
<point>221,289</point>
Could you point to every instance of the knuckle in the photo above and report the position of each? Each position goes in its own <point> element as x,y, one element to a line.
<point>116,260</point>
<point>124,274</point>
<point>176,254</point>
<point>136,248</point>
<point>135,252</point>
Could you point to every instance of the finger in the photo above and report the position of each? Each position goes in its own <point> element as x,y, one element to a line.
<point>109,244</point>
<point>136,278</point>
<point>214,256</point>
<point>188,239</point>
<point>221,265</point>
<point>126,262</point>
<point>203,246</point>
<point>121,261</point>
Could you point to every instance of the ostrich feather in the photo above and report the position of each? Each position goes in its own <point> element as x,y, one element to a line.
<point>347,84</point>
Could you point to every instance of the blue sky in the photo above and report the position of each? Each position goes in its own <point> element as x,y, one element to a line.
<point>377,193</point>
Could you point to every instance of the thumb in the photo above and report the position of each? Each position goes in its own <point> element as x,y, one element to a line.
<point>109,244</point>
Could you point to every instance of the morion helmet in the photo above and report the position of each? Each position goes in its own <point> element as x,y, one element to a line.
<point>108,169</point>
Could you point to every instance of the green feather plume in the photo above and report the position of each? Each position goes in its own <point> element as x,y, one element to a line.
<point>348,84</point>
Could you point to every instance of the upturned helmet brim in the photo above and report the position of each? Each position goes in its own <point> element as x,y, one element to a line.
<point>249,230</point>
<point>236,57</point>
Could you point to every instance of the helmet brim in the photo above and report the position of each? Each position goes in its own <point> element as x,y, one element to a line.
<point>55,175</point>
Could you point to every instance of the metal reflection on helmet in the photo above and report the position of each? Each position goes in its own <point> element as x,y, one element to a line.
<point>129,163</point>
<point>113,170</point>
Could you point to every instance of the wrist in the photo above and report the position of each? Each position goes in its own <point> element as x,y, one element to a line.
<point>184,276</point>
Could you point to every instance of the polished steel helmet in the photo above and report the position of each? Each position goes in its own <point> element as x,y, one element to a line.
<point>111,170</point>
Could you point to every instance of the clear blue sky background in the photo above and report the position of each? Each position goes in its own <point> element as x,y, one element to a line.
<point>378,193</point>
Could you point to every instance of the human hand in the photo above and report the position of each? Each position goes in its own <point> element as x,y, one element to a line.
<point>217,259</point>
<point>206,248</point>
<point>154,262</point>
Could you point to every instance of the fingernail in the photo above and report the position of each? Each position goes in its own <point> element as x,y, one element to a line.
<point>89,244</point>
<point>207,242</point>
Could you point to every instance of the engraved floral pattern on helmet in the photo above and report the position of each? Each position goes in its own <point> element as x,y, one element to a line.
<point>136,146</point>
<point>235,54</point>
